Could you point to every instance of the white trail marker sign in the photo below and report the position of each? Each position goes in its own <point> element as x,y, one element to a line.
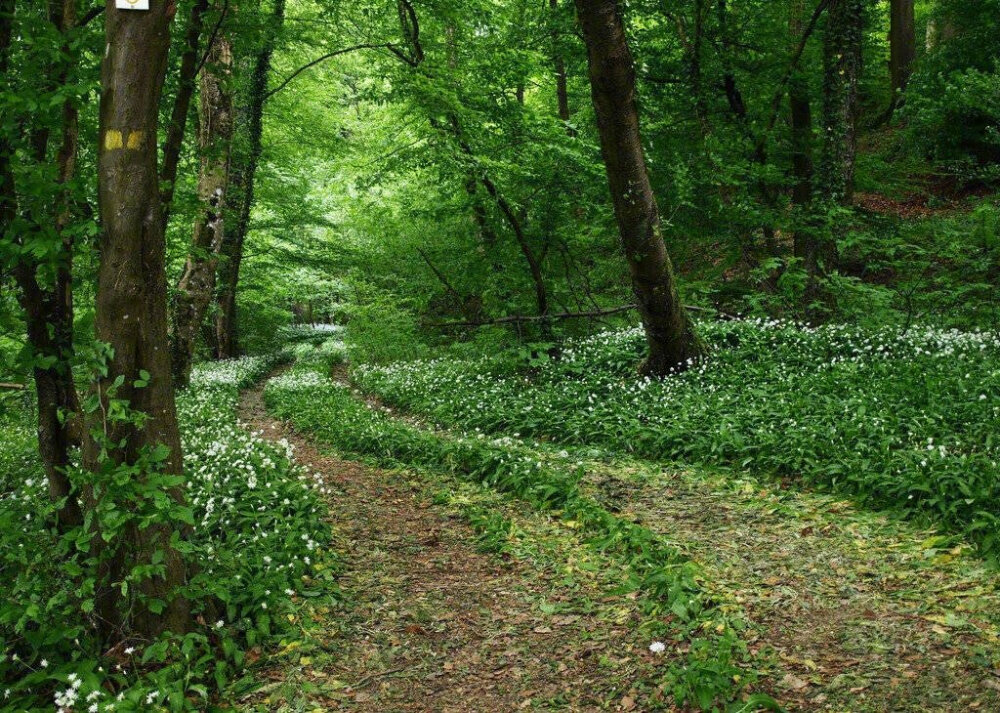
<point>132,4</point>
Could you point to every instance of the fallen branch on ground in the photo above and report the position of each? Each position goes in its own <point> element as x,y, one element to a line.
<point>522,318</point>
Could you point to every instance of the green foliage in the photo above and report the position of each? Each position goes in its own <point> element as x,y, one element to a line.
<point>952,105</point>
<point>256,536</point>
<point>902,419</point>
<point>955,117</point>
<point>380,332</point>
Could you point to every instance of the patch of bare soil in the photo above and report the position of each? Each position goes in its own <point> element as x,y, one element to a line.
<point>430,624</point>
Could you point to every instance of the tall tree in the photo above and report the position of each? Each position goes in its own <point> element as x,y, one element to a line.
<point>670,334</point>
<point>131,311</point>
<point>559,63</point>
<point>215,135</point>
<point>245,160</point>
<point>177,127</point>
<point>42,239</point>
<point>800,105</point>
<point>902,44</point>
<point>842,66</point>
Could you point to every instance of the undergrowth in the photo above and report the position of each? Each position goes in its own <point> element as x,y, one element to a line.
<point>717,665</point>
<point>903,419</point>
<point>257,535</point>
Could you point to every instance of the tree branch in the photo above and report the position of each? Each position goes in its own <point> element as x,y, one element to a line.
<point>594,314</point>
<point>779,93</point>
<point>440,276</point>
<point>90,15</point>
<point>211,39</point>
<point>330,55</point>
<point>522,318</point>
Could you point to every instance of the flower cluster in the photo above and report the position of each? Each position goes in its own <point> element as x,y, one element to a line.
<point>258,540</point>
<point>843,407</point>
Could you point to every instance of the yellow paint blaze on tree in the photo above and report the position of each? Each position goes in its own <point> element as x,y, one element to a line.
<point>112,139</point>
<point>135,139</point>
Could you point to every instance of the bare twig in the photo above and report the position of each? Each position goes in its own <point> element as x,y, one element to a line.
<point>211,39</point>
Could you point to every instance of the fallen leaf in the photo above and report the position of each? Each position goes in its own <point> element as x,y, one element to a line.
<point>793,682</point>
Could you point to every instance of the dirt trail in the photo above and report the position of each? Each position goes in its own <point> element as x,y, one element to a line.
<point>865,613</point>
<point>430,624</point>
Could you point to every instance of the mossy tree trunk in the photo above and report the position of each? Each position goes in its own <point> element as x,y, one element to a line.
<point>131,314</point>
<point>843,57</point>
<point>673,342</point>
<point>247,151</point>
<point>196,287</point>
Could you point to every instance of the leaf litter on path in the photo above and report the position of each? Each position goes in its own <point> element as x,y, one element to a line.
<point>431,623</point>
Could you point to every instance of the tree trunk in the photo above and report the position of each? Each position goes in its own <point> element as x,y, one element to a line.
<point>695,68</point>
<point>49,317</point>
<point>49,308</point>
<point>902,44</point>
<point>842,62</point>
<point>842,66</point>
<point>562,79</point>
<point>182,104</point>
<point>508,212</point>
<point>670,334</point>
<point>131,308</point>
<point>241,190</point>
<point>802,132</point>
<point>215,134</point>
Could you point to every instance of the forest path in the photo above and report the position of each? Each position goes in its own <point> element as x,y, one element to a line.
<point>866,613</point>
<point>429,623</point>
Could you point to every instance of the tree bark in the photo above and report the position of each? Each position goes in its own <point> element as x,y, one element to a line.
<point>241,190</point>
<point>49,308</point>
<point>802,131</point>
<point>902,44</point>
<point>131,308</point>
<point>182,103</point>
<point>215,135</point>
<point>672,340</point>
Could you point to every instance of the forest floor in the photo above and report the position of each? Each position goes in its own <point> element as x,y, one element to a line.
<point>432,624</point>
<point>855,610</point>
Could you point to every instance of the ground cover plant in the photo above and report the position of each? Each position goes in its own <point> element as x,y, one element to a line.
<point>901,418</point>
<point>718,666</point>
<point>677,278</point>
<point>256,529</point>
